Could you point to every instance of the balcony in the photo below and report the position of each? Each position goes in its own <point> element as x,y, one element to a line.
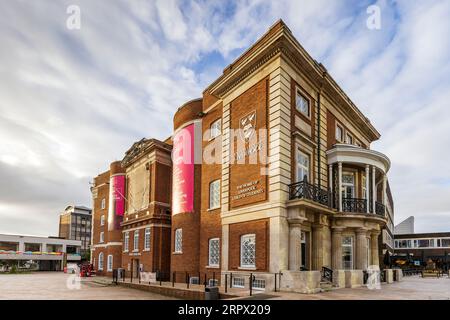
<point>305,190</point>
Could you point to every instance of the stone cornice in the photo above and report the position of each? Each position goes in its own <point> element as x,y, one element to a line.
<point>286,46</point>
<point>141,148</point>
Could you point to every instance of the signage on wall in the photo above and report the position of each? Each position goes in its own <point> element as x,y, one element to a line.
<point>248,147</point>
<point>183,170</point>
<point>116,208</point>
<point>249,189</point>
<point>247,126</point>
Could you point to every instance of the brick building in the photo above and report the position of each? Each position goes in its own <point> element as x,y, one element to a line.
<point>131,228</point>
<point>272,171</point>
<point>280,175</point>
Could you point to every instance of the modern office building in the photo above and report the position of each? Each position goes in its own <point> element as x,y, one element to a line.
<point>75,224</point>
<point>418,248</point>
<point>38,253</point>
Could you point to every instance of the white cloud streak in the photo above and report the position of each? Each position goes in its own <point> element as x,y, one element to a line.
<point>73,101</point>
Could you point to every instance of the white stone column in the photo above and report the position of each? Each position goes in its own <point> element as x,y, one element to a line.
<point>330,177</point>
<point>374,248</point>
<point>384,191</point>
<point>374,188</point>
<point>336,248</point>
<point>225,250</point>
<point>367,188</point>
<point>340,185</point>
<point>21,246</point>
<point>361,249</point>
<point>317,247</point>
<point>295,247</point>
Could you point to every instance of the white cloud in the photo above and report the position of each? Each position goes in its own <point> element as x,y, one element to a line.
<point>73,101</point>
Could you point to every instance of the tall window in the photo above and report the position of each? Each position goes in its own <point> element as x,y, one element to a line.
<point>136,240</point>
<point>302,104</point>
<point>339,133</point>
<point>103,203</point>
<point>214,252</point>
<point>100,261</point>
<point>102,237</point>
<point>102,220</point>
<point>216,128</point>
<point>214,194</point>
<point>349,139</point>
<point>179,240</point>
<point>348,185</point>
<point>248,251</point>
<point>126,241</point>
<point>302,166</point>
<point>364,189</point>
<point>347,253</point>
<point>109,264</point>
<point>147,239</point>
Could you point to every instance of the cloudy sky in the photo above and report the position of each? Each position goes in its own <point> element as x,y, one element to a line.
<point>72,101</point>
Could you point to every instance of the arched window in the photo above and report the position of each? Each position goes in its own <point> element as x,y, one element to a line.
<point>100,261</point>
<point>109,264</point>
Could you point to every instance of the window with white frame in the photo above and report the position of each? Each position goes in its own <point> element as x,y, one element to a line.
<point>147,239</point>
<point>347,253</point>
<point>216,128</point>
<point>238,282</point>
<point>100,261</point>
<point>259,284</point>
<point>136,241</point>
<point>213,282</point>
<point>126,241</point>
<point>194,280</point>
<point>348,185</point>
<point>102,237</point>
<point>102,220</point>
<point>214,194</point>
<point>248,251</point>
<point>109,264</point>
<point>103,203</point>
<point>214,252</point>
<point>302,104</point>
<point>302,166</point>
<point>178,240</point>
<point>348,138</point>
<point>339,133</point>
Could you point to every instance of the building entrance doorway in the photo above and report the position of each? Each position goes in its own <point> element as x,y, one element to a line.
<point>135,270</point>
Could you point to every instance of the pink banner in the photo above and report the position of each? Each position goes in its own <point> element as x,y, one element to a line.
<point>117,202</point>
<point>183,170</point>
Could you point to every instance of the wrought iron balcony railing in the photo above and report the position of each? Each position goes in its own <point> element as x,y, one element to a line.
<point>380,208</point>
<point>305,190</point>
<point>354,205</point>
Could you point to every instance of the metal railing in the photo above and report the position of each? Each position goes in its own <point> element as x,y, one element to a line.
<point>305,190</point>
<point>354,205</point>
<point>327,274</point>
<point>380,208</point>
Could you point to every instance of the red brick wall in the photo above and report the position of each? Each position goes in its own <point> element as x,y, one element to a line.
<point>254,99</point>
<point>211,226</point>
<point>261,229</point>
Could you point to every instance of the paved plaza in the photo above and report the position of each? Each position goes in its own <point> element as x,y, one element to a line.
<point>55,285</point>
